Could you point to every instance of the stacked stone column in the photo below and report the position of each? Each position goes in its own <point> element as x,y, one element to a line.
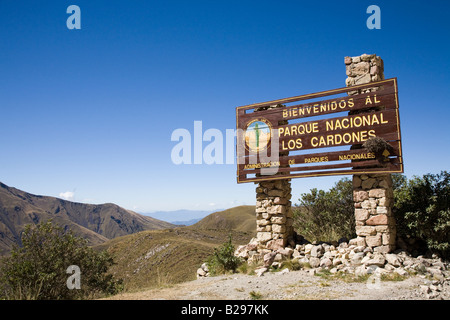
<point>274,223</point>
<point>372,193</point>
<point>273,213</point>
<point>375,224</point>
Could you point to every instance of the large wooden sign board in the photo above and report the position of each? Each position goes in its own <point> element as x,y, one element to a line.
<point>322,137</point>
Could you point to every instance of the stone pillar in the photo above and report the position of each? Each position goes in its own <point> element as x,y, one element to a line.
<point>274,223</point>
<point>274,220</point>
<point>372,193</point>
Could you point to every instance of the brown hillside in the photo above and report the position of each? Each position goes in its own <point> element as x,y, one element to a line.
<point>240,218</point>
<point>96,223</point>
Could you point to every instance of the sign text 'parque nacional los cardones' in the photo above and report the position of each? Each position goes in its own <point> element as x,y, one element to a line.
<point>274,141</point>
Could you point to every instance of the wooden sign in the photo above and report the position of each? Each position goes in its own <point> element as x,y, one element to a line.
<point>284,139</point>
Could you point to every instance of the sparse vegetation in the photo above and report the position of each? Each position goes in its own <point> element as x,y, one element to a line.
<point>326,215</point>
<point>254,295</point>
<point>422,210</point>
<point>37,270</point>
<point>291,264</point>
<point>223,259</point>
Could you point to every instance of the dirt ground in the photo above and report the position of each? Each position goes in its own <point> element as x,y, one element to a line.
<point>295,285</point>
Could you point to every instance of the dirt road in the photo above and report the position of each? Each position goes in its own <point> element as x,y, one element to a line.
<point>295,285</point>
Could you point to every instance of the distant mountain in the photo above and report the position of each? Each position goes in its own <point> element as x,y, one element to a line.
<point>96,223</point>
<point>186,223</point>
<point>179,215</point>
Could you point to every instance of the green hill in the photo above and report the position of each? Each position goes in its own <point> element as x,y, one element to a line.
<point>240,218</point>
<point>157,258</point>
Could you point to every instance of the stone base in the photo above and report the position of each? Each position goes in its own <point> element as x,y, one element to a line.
<point>375,223</point>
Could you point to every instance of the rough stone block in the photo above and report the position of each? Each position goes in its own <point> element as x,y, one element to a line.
<point>380,219</point>
<point>275,193</point>
<point>374,241</point>
<point>360,195</point>
<point>361,214</point>
<point>383,210</point>
<point>278,219</point>
<point>368,183</point>
<point>263,236</point>
<point>365,231</point>
<point>278,228</point>
<point>377,193</point>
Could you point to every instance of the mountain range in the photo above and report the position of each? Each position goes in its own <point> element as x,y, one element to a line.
<point>180,217</point>
<point>146,251</point>
<point>95,222</point>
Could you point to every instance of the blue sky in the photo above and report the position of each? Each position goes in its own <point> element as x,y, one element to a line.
<point>91,111</point>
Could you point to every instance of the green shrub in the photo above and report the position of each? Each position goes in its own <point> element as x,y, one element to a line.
<point>422,210</point>
<point>38,270</point>
<point>223,259</point>
<point>326,215</point>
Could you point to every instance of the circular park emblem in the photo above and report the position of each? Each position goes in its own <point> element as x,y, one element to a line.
<point>257,135</point>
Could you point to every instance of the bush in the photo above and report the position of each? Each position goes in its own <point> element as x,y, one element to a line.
<point>422,210</point>
<point>37,270</point>
<point>223,259</point>
<point>326,215</point>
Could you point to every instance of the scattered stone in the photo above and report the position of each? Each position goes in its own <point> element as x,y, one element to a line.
<point>393,259</point>
<point>317,251</point>
<point>260,271</point>
<point>269,258</point>
<point>314,262</point>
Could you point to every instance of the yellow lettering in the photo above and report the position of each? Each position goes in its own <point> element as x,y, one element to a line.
<point>322,141</point>
<point>315,127</point>
<point>298,143</point>
<point>329,125</point>
<point>368,100</point>
<point>350,103</point>
<point>346,120</point>
<point>347,138</point>
<point>366,121</point>
<point>294,129</point>
<point>286,132</point>
<point>375,99</point>
<point>285,113</point>
<point>382,120</point>
<point>291,144</point>
<point>330,139</point>
<point>314,141</point>
<point>316,108</point>
<point>375,119</point>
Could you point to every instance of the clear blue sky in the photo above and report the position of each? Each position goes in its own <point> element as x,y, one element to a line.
<point>92,111</point>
